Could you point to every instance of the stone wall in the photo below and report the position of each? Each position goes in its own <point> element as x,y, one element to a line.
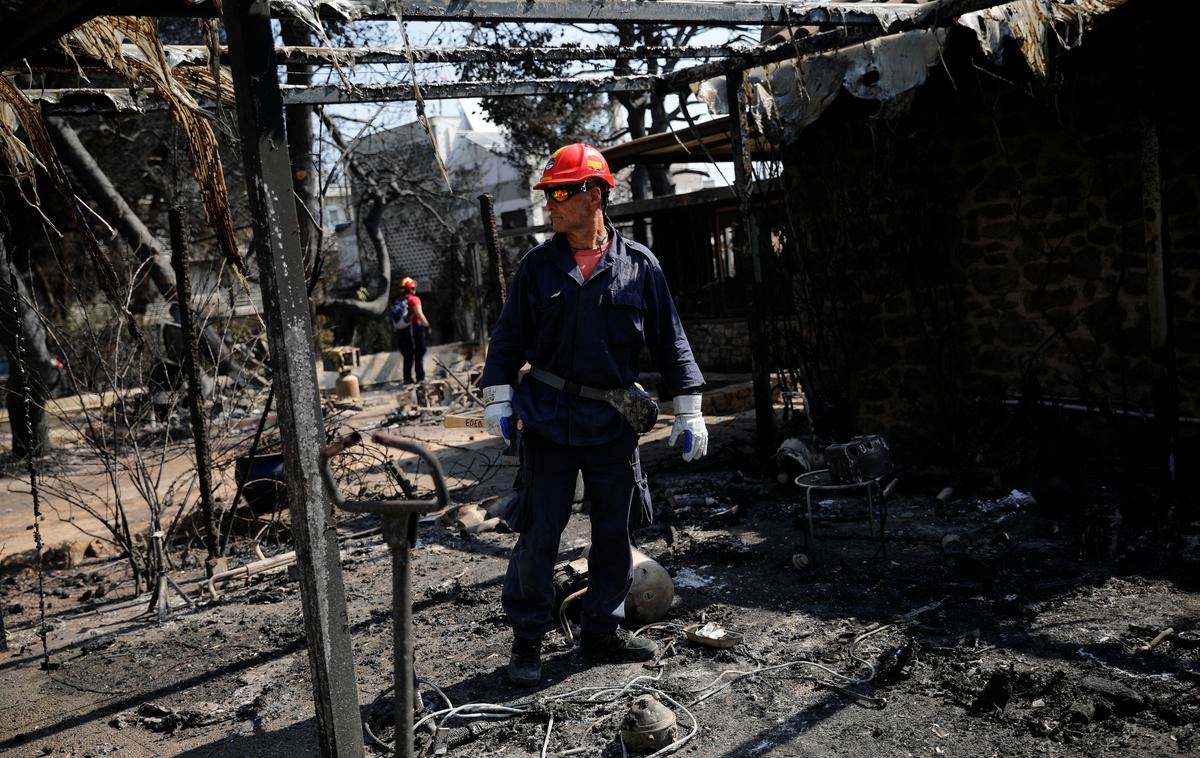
<point>988,243</point>
<point>415,243</point>
<point>720,344</point>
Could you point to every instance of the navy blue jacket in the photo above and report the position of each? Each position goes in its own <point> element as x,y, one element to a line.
<point>586,332</point>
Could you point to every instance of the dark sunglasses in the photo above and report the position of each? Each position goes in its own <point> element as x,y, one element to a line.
<point>562,194</point>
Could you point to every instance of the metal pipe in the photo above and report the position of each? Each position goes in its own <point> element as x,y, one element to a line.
<point>327,94</point>
<point>400,532</point>
<point>97,101</point>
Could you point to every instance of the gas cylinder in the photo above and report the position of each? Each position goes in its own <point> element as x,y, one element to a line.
<point>347,384</point>
<point>650,591</point>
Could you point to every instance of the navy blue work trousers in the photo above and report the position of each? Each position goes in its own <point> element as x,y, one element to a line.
<point>411,344</point>
<point>541,511</point>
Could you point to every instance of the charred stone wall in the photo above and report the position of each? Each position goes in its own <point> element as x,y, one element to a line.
<point>719,344</point>
<point>987,241</point>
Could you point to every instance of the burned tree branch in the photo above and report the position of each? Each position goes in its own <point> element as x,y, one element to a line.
<point>135,233</point>
<point>372,223</point>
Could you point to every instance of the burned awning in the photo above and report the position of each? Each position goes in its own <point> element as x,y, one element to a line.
<point>708,141</point>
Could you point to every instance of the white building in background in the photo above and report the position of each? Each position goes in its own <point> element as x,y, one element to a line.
<point>337,204</point>
<point>469,145</point>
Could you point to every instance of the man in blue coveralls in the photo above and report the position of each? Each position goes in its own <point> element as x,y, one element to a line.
<point>579,310</point>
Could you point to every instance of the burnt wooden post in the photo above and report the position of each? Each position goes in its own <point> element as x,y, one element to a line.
<point>496,272</point>
<point>1158,295</point>
<point>743,185</point>
<point>289,329</point>
<point>1159,292</point>
<point>195,394</point>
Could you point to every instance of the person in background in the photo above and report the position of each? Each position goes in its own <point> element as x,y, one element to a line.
<point>580,309</point>
<point>408,319</point>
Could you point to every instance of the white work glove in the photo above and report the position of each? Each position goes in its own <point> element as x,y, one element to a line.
<point>498,414</point>
<point>690,425</point>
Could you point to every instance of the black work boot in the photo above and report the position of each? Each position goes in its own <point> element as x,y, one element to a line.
<point>618,646</point>
<point>525,663</point>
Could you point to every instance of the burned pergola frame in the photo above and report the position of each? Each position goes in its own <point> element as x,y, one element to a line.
<point>260,102</point>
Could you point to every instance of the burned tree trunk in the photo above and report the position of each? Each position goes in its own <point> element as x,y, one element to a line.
<point>372,224</point>
<point>31,370</point>
<point>343,308</point>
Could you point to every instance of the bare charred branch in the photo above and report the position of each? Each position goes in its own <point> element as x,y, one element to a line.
<point>372,225</point>
<point>135,233</point>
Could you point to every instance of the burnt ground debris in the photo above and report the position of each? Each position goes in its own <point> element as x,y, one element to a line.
<point>995,625</point>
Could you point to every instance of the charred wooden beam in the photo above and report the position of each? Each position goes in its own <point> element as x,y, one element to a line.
<point>728,13</point>
<point>329,94</point>
<point>84,101</point>
<point>1159,299</point>
<point>353,56</point>
<point>289,328</point>
<point>935,14</point>
<point>751,253</point>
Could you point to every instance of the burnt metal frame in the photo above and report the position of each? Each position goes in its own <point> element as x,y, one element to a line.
<point>260,102</point>
<point>399,518</point>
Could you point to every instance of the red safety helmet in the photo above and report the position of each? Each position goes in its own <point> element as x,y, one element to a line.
<point>408,283</point>
<point>574,164</point>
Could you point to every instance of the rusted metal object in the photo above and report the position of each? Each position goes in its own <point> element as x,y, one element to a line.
<point>860,460</point>
<point>822,481</point>
<point>400,533</point>
<point>649,725</point>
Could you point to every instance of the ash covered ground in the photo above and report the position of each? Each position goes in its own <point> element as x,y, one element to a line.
<point>987,625</point>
